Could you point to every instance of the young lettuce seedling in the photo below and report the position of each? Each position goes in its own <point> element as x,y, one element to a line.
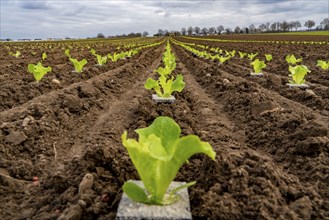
<point>78,65</point>
<point>17,54</point>
<point>38,70</point>
<point>157,155</point>
<point>100,60</point>
<point>165,87</point>
<point>251,56</point>
<point>242,55</point>
<point>258,66</point>
<point>222,59</point>
<point>291,59</point>
<point>116,56</point>
<point>323,64</point>
<point>268,57</point>
<point>44,56</point>
<point>298,74</point>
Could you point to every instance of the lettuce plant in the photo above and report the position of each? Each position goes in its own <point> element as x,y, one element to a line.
<point>223,59</point>
<point>258,65</point>
<point>323,64</point>
<point>291,59</point>
<point>298,74</point>
<point>157,155</point>
<point>116,56</point>
<point>165,87</point>
<point>38,70</point>
<point>251,56</point>
<point>17,54</point>
<point>78,65</point>
<point>242,55</point>
<point>44,56</point>
<point>100,60</point>
<point>268,57</point>
<point>169,59</point>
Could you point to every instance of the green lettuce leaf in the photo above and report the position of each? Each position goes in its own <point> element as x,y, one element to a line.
<point>323,64</point>
<point>158,155</point>
<point>38,70</point>
<point>258,65</point>
<point>298,74</point>
<point>291,59</point>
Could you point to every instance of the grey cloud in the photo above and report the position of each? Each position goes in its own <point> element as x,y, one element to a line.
<point>87,18</point>
<point>75,11</point>
<point>34,5</point>
<point>158,11</point>
<point>167,14</point>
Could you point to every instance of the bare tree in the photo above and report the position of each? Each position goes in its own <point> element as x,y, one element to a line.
<point>252,28</point>
<point>145,34</point>
<point>176,33</point>
<point>212,30</point>
<point>220,28</point>
<point>284,26</point>
<point>245,30</point>
<point>190,31</point>
<point>197,30</point>
<point>237,30</point>
<point>262,27</point>
<point>166,33</point>
<point>228,30</point>
<point>297,25</point>
<point>273,27</point>
<point>183,31</point>
<point>291,25</point>
<point>268,26</point>
<point>278,26</point>
<point>100,35</point>
<point>160,32</point>
<point>204,31</point>
<point>325,24</point>
<point>309,24</point>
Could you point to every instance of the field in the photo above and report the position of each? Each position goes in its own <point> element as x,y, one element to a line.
<point>271,141</point>
<point>325,33</point>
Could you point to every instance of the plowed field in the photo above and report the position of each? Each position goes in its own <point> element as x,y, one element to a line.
<point>272,141</point>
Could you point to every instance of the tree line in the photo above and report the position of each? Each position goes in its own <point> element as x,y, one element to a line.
<point>144,34</point>
<point>265,27</point>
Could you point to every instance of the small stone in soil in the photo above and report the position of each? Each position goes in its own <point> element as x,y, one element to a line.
<point>311,92</point>
<point>56,81</point>
<point>26,121</point>
<point>15,137</point>
<point>86,183</point>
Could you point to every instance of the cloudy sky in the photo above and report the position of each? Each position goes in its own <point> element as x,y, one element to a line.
<point>86,18</point>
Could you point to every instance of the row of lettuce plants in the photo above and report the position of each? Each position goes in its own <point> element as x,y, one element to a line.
<point>160,151</point>
<point>297,72</point>
<point>38,70</point>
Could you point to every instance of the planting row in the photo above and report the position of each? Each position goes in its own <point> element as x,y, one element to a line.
<point>20,79</point>
<point>271,123</point>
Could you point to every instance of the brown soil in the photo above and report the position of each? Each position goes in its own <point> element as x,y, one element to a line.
<point>271,142</point>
